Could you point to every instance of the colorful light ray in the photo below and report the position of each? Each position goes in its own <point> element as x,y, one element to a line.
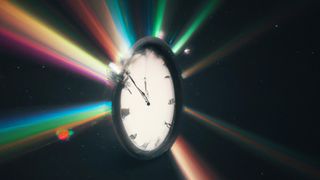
<point>194,25</point>
<point>124,6</point>
<point>255,143</point>
<point>86,14</point>
<point>249,35</point>
<point>105,18</point>
<point>50,56</point>
<point>224,51</point>
<point>190,164</point>
<point>120,18</point>
<point>18,132</point>
<point>157,30</point>
<point>19,21</point>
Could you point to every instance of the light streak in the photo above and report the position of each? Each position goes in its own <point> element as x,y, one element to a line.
<point>244,38</point>
<point>194,25</point>
<point>224,51</point>
<point>120,18</point>
<point>255,143</point>
<point>105,18</point>
<point>20,21</point>
<point>157,30</point>
<point>53,57</point>
<point>86,14</point>
<point>191,166</point>
<point>25,131</point>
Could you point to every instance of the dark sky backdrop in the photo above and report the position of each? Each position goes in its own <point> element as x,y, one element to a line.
<point>269,87</point>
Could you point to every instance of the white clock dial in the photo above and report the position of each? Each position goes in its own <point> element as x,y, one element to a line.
<point>147,100</point>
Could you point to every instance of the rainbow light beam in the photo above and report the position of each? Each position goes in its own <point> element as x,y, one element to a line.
<point>50,56</point>
<point>47,39</point>
<point>194,25</point>
<point>105,18</point>
<point>86,14</point>
<point>190,164</point>
<point>26,131</point>
<point>157,30</point>
<point>255,143</point>
<point>121,20</point>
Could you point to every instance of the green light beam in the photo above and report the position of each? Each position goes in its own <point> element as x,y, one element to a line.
<point>159,17</point>
<point>47,122</point>
<point>208,8</point>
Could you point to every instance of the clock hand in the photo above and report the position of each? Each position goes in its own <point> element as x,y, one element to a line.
<point>145,86</point>
<point>141,92</point>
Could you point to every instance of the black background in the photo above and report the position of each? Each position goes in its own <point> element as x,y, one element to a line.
<point>268,87</point>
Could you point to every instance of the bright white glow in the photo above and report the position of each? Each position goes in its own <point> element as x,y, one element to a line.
<point>124,55</point>
<point>187,51</point>
<point>115,68</point>
<point>147,126</point>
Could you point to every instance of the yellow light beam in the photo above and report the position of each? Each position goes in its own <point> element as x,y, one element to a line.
<point>22,22</point>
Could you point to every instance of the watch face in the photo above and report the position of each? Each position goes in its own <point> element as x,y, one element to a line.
<point>147,100</point>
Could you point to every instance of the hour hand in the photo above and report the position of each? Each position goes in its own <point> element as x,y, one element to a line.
<point>141,92</point>
<point>145,98</point>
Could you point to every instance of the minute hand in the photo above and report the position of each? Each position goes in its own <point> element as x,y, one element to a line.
<point>141,92</point>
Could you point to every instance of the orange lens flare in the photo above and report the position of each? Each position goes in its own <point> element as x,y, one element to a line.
<point>191,166</point>
<point>64,134</point>
<point>42,139</point>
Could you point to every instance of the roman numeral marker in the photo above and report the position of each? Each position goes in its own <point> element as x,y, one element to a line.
<point>124,113</point>
<point>171,101</point>
<point>167,124</point>
<point>145,145</point>
<point>157,142</point>
<point>133,136</point>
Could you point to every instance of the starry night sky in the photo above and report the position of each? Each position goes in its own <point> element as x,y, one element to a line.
<point>269,86</point>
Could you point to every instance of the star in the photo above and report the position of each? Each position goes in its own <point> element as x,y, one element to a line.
<point>187,51</point>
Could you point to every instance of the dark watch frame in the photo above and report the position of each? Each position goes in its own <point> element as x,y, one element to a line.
<point>163,49</point>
